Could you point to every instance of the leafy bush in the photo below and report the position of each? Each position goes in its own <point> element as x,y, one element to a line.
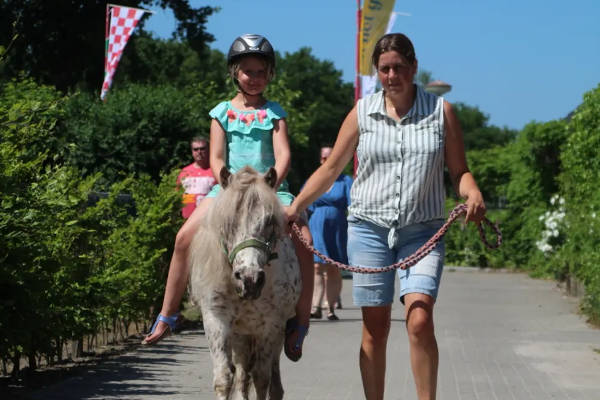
<point>70,268</point>
<point>140,129</point>
<point>579,187</point>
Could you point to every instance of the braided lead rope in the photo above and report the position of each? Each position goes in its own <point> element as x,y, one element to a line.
<point>419,254</point>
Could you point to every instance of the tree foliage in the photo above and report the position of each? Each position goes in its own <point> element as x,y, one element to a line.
<point>477,132</point>
<point>70,267</point>
<point>579,187</point>
<point>61,43</point>
<point>140,129</point>
<point>169,62</point>
<point>322,97</point>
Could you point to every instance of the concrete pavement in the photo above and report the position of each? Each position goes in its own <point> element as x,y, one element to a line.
<point>502,336</point>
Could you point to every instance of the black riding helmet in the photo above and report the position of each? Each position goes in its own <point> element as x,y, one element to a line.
<point>251,44</point>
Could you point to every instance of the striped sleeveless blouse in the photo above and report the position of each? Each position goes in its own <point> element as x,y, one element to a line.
<point>400,175</point>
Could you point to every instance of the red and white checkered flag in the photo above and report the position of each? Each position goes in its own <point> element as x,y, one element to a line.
<point>123,21</point>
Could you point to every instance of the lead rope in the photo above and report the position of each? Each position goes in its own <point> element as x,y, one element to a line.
<point>419,254</point>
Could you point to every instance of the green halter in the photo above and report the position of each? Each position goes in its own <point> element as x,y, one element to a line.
<point>267,247</point>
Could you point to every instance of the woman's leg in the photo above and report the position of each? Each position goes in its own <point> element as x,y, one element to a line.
<point>333,285</point>
<point>374,293</point>
<point>419,286</point>
<point>179,269</point>
<point>376,328</point>
<point>318,292</point>
<point>424,356</point>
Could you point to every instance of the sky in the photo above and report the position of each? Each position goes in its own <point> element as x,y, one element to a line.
<point>518,61</point>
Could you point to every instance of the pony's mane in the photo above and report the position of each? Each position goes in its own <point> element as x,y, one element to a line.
<point>246,196</point>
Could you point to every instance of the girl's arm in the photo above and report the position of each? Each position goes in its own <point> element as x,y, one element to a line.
<point>462,179</point>
<point>217,148</point>
<point>325,175</point>
<point>281,150</point>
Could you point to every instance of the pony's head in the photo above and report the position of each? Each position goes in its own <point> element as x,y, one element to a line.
<point>250,219</point>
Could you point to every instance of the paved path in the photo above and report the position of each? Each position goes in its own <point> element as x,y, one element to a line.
<point>502,336</point>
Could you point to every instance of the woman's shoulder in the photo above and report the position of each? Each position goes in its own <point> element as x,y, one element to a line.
<point>371,103</point>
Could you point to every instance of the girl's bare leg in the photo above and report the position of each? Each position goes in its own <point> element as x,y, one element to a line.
<point>179,269</point>
<point>303,306</point>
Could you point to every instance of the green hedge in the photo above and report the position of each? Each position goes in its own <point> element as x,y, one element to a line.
<point>543,189</point>
<point>579,184</point>
<point>71,269</point>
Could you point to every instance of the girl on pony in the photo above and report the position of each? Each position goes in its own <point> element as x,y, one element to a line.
<point>247,130</point>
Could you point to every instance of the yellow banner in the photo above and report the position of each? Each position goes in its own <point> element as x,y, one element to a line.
<point>373,25</point>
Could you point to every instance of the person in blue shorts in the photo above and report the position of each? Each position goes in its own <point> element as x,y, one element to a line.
<point>403,138</point>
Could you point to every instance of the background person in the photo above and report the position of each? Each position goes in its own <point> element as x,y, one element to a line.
<point>329,229</point>
<point>197,178</point>
<point>403,137</point>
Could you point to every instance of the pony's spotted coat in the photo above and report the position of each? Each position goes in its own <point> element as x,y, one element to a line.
<point>245,304</point>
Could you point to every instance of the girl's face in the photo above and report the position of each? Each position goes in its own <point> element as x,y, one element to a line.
<point>395,73</point>
<point>252,75</point>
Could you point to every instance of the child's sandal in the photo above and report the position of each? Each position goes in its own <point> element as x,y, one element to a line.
<point>291,326</point>
<point>170,321</point>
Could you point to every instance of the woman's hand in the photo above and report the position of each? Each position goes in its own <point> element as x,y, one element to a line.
<point>291,215</point>
<point>475,207</point>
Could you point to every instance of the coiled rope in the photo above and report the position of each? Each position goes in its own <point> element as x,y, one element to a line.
<point>419,254</point>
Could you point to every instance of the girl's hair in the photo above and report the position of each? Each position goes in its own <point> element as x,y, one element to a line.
<point>397,42</point>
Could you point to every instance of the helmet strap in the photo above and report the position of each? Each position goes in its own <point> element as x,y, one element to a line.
<point>244,92</point>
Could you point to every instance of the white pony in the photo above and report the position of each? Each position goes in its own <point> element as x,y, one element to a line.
<point>245,275</point>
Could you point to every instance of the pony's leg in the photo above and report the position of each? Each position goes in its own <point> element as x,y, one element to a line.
<point>261,373</point>
<point>219,341</point>
<point>243,362</point>
<point>275,388</point>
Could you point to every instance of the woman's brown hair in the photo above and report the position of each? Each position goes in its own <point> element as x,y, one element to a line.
<point>397,42</point>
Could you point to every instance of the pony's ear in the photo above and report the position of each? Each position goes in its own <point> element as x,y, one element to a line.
<point>225,175</point>
<point>271,177</point>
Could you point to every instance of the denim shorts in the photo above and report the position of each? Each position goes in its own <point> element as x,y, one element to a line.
<point>368,247</point>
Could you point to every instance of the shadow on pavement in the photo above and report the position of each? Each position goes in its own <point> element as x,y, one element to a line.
<point>144,371</point>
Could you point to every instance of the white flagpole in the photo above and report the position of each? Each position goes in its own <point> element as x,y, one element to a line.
<point>135,8</point>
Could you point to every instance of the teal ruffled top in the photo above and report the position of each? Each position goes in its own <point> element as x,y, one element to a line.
<point>250,140</point>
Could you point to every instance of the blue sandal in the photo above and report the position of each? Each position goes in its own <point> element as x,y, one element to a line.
<point>170,321</point>
<point>291,326</point>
